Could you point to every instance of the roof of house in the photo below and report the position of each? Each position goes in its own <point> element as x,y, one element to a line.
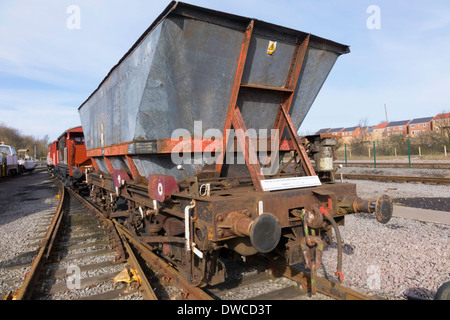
<point>369,129</point>
<point>351,129</point>
<point>325,130</point>
<point>421,120</point>
<point>443,116</point>
<point>381,125</point>
<point>398,123</point>
<point>335,130</point>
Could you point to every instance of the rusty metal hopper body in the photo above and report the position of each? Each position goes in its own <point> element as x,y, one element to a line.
<point>186,68</point>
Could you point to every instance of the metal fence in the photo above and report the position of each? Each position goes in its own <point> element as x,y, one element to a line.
<point>398,148</point>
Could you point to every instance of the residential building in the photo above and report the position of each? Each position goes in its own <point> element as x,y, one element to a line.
<point>336,132</point>
<point>379,131</point>
<point>420,125</point>
<point>352,133</point>
<point>322,131</point>
<point>406,127</point>
<point>368,131</point>
<point>441,120</point>
<point>397,128</point>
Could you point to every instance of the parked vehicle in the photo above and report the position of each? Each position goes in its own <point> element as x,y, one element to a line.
<point>12,162</point>
<point>2,164</point>
<point>26,162</point>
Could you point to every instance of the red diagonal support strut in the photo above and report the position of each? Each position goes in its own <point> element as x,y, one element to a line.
<point>307,166</point>
<point>283,118</point>
<point>291,82</point>
<point>235,92</point>
<point>251,158</point>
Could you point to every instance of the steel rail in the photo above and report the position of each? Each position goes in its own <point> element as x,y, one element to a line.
<point>146,288</point>
<point>312,283</point>
<point>396,164</point>
<point>117,243</point>
<point>171,275</point>
<point>147,291</point>
<point>155,262</point>
<point>437,180</point>
<point>158,264</point>
<point>25,292</point>
<point>324,286</point>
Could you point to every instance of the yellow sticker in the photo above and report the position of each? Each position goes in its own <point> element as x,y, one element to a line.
<point>272,47</point>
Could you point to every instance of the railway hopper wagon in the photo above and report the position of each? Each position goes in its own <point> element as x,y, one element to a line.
<point>67,157</point>
<point>193,137</point>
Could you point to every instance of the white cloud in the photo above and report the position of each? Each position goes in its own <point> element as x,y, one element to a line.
<point>38,112</point>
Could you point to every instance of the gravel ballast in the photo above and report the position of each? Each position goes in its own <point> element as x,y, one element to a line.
<point>27,205</point>
<point>402,256</point>
<point>392,259</point>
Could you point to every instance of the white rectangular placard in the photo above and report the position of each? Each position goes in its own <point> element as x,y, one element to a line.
<point>290,183</point>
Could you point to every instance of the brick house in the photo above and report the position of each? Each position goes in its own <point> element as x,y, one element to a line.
<point>441,120</point>
<point>323,131</point>
<point>379,131</point>
<point>368,131</point>
<point>352,133</point>
<point>336,132</point>
<point>420,125</point>
<point>397,128</point>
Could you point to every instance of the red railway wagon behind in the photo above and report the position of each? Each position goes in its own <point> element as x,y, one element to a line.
<point>52,155</point>
<point>71,157</point>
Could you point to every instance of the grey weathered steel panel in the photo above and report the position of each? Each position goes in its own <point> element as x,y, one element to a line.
<point>190,79</point>
<point>265,69</point>
<point>318,64</point>
<point>182,70</point>
<point>109,116</point>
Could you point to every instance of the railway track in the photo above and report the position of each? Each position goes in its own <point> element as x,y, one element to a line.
<point>414,179</point>
<point>386,164</point>
<point>77,246</point>
<point>276,281</point>
<point>82,253</point>
<point>297,283</point>
<point>78,236</point>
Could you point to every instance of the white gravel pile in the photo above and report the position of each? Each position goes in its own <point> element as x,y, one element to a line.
<point>389,260</point>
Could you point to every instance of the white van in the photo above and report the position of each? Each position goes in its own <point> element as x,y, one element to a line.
<point>12,163</point>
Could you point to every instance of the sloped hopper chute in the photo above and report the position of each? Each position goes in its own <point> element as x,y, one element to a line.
<point>183,70</point>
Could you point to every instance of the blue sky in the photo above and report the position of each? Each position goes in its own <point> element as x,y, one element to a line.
<point>47,70</point>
